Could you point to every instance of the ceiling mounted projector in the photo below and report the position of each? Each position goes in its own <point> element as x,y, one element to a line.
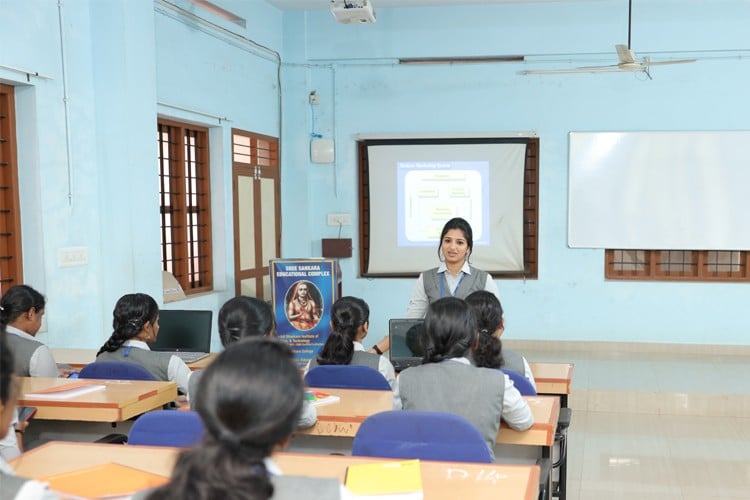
<point>352,11</point>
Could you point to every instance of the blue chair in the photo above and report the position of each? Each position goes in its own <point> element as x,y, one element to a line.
<point>181,429</point>
<point>115,370</point>
<point>521,382</point>
<point>347,377</point>
<point>425,435</point>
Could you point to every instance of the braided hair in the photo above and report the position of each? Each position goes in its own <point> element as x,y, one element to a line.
<point>348,315</point>
<point>489,313</point>
<point>251,399</point>
<point>242,317</point>
<point>131,314</point>
<point>449,330</point>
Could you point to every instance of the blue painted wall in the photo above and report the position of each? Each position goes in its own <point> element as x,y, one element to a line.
<point>129,61</point>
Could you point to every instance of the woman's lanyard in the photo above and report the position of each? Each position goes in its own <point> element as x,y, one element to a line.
<point>445,280</point>
<point>127,350</point>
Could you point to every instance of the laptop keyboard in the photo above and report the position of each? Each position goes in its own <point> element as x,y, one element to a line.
<point>403,364</point>
<point>190,357</point>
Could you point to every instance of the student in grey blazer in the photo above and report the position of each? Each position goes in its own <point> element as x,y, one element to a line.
<point>448,381</point>
<point>136,324</point>
<point>246,317</point>
<point>250,400</point>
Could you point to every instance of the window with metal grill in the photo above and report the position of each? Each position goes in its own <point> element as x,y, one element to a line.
<point>677,265</point>
<point>184,189</point>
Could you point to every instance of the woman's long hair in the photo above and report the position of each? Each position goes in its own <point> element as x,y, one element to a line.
<point>132,312</point>
<point>489,313</point>
<point>449,330</point>
<point>348,314</point>
<point>242,317</point>
<point>251,398</point>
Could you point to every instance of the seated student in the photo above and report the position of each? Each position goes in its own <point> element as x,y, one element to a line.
<point>21,309</point>
<point>489,352</point>
<point>12,486</point>
<point>350,320</point>
<point>136,324</point>
<point>244,317</point>
<point>250,400</point>
<point>447,381</point>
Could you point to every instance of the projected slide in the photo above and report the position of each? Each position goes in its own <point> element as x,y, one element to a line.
<point>431,193</point>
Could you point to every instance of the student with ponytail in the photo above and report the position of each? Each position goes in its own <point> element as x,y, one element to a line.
<point>448,381</point>
<point>489,352</point>
<point>21,309</point>
<point>247,317</point>
<point>350,320</point>
<point>251,398</point>
<point>135,325</point>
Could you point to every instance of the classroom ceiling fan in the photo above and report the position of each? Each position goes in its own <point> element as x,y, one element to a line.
<point>627,60</point>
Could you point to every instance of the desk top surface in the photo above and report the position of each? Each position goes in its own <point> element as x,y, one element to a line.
<point>119,400</point>
<point>552,378</point>
<point>343,418</point>
<point>78,358</point>
<point>441,480</point>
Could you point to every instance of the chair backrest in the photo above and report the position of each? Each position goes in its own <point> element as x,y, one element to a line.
<point>116,370</point>
<point>347,377</point>
<point>425,435</point>
<point>522,383</point>
<point>167,428</point>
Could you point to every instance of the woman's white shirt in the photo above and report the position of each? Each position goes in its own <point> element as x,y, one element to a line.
<point>418,301</point>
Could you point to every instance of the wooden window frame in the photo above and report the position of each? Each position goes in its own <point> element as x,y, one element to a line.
<point>678,265</point>
<point>11,251</point>
<point>530,214</point>
<point>185,207</point>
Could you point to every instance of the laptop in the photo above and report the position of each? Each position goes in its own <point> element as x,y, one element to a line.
<point>186,334</point>
<point>405,350</point>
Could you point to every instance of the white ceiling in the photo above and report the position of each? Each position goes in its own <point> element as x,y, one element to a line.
<point>324,4</point>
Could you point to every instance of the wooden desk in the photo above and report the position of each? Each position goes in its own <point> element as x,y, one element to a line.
<point>554,379</point>
<point>342,419</point>
<point>441,480</point>
<point>546,411</point>
<point>121,400</point>
<point>78,358</point>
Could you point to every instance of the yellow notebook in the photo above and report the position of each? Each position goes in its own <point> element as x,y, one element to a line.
<point>110,480</point>
<point>385,479</point>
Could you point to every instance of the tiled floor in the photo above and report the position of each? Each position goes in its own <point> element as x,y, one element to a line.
<point>657,425</point>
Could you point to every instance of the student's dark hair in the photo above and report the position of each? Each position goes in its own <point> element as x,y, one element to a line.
<point>242,317</point>
<point>6,368</point>
<point>18,300</point>
<point>449,330</point>
<point>489,313</point>
<point>251,398</point>
<point>132,312</point>
<point>348,314</point>
<point>464,227</point>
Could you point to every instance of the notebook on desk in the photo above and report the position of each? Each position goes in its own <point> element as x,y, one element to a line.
<point>405,350</point>
<point>184,333</point>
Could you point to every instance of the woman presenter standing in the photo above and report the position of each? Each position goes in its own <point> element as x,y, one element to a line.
<point>454,277</point>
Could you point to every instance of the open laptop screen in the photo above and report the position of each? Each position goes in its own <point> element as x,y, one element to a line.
<point>186,331</point>
<point>405,350</point>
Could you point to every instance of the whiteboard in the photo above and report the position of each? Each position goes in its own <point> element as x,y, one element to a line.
<point>659,190</point>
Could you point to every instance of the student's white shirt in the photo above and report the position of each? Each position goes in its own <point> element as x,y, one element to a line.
<point>527,373</point>
<point>31,490</point>
<point>418,301</point>
<point>177,371</point>
<point>42,363</point>
<point>9,444</point>
<point>386,368</point>
<point>516,411</point>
